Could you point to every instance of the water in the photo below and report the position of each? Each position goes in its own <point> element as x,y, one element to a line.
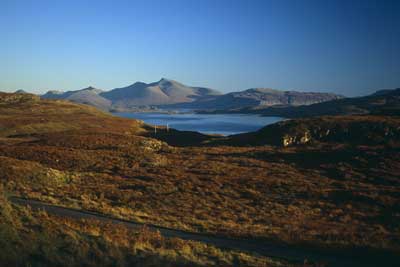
<point>225,124</point>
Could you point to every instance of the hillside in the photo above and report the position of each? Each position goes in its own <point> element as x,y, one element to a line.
<point>63,241</point>
<point>337,196</point>
<point>89,95</point>
<point>382,102</point>
<point>260,97</point>
<point>26,114</point>
<point>355,130</point>
<point>158,93</point>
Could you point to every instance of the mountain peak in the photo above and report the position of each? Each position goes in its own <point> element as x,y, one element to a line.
<point>165,80</point>
<point>90,88</point>
<point>55,92</point>
<point>162,92</point>
<point>135,84</point>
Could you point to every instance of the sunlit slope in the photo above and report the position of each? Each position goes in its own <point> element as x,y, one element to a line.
<point>25,114</point>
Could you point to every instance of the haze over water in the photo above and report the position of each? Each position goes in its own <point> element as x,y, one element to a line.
<point>225,124</point>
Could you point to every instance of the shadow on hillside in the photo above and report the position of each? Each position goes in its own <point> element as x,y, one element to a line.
<point>339,162</point>
<point>180,138</point>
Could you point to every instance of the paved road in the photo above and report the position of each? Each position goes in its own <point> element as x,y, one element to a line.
<point>339,258</point>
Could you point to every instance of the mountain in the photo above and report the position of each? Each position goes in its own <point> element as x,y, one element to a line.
<point>20,91</point>
<point>386,102</point>
<point>89,95</point>
<point>172,94</point>
<point>158,93</point>
<point>53,94</point>
<point>257,97</point>
<point>269,102</point>
<point>163,92</point>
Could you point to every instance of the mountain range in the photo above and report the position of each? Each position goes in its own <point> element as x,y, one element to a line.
<point>382,102</point>
<point>172,94</point>
<point>259,97</point>
<point>139,94</point>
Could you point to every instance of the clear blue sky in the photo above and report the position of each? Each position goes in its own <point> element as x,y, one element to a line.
<point>348,47</point>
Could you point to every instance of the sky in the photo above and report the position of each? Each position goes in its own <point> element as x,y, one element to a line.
<point>344,46</point>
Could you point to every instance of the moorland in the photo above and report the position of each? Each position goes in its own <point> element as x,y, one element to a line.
<point>327,183</point>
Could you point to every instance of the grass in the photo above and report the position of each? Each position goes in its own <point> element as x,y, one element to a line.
<point>330,194</point>
<point>34,238</point>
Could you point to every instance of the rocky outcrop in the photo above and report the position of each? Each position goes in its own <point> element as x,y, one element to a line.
<point>152,145</point>
<point>337,129</point>
<point>304,138</point>
<point>367,130</point>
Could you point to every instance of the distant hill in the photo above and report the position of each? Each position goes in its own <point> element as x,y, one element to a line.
<point>163,92</point>
<point>90,96</point>
<point>158,93</point>
<point>260,97</point>
<point>385,102</point>
<point>172,94</point>
<point>53,94</point>
<point>20,91</point>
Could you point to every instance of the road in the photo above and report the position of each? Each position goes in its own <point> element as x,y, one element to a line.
<point>339,258</point>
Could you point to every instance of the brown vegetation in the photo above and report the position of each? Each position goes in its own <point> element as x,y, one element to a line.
<point>35,238</point>
<point>325,194</point>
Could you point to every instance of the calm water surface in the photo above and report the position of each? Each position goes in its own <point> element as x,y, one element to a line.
<point>225,124</point>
